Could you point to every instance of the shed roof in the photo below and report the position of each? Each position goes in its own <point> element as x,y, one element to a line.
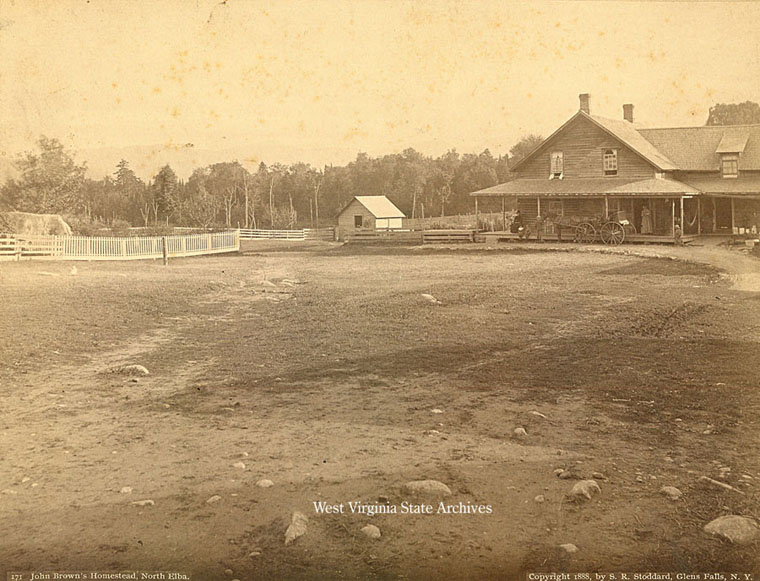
<point>378,206</point>
<point>744,184</point>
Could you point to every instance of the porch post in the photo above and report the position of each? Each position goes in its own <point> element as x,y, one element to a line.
<point>715,216</point>
<point>683,226</point>
<point>673,217</point>
<point>504,213</point>
<point>606,207</point>
<point>699,216</point>
<point>477,216</point>
<point>733,215</point>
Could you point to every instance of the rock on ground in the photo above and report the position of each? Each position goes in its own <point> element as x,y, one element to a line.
<point>142,503</point>
<point>519,432</point>
<point>671,492</point>
<point>737,529</point>
<point>431,487</point>
<point>213,499</point>
<point>371,531</point>
<point>569,548</point>
<point>539,498</point>
<point>584,489</point>
<point>297,527</point>
<point>264,483</point>
<point>240,465</point>
<point>130,370</point>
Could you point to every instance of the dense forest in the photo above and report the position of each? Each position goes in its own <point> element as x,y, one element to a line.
<point>228,195</point>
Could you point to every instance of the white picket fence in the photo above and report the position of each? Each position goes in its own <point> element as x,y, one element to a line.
<point>305,234</point>
<point>14,246</point>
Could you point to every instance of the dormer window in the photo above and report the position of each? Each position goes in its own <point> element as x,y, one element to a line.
<point>729,166</point>
<point>609,162</point>
<point>557,165</point>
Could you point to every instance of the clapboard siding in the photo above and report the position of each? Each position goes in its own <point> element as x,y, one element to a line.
<point>346,219</point>
<point>582,144</point>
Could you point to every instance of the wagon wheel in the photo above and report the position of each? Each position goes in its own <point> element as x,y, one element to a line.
<point>613,233</point>
<point>585,232</point>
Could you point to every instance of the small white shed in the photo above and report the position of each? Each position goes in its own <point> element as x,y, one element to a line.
<point>369,213</point>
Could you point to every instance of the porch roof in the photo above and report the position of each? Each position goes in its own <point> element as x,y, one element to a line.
<point>651,187</point>
<point>744,184</point>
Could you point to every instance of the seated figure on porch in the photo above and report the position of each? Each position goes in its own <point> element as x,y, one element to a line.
<point>517,223</point>
<point>646,221</point>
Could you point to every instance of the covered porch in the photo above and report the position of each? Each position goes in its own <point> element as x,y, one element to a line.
<point>653,210</point>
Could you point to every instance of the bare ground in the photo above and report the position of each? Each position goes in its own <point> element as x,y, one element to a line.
<point>324,381</point>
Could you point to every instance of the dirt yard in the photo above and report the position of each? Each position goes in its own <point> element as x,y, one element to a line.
<point>323,369</point>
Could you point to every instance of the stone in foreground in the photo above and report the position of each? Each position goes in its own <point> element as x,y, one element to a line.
<point>297,527</point>
<point>584,489</point>
<point>737,529</point>
<point>429,487</point>
<point>371,531</point>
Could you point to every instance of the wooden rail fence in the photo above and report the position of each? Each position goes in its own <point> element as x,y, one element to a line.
<point>19,246</point>
<point>305,234</point>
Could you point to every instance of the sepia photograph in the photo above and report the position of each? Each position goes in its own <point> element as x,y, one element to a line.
<point>379,289</point>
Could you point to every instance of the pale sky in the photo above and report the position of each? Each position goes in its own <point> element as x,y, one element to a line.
<point>319,81</point>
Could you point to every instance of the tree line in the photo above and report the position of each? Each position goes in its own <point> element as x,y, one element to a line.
<point>227,194</point>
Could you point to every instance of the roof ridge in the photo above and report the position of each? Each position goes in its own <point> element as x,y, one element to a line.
<point>702,127</point>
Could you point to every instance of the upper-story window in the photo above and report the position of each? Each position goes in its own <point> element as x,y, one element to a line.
<point>609,162</point>
<point>557,165</point>
<point>729,166</point>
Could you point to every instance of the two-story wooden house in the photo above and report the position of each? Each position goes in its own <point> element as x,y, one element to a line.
<point>701,179</point>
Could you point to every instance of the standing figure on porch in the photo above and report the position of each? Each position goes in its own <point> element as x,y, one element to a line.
<point>646,221</point>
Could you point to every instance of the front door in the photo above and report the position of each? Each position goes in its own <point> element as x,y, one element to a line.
<point>722,214</point>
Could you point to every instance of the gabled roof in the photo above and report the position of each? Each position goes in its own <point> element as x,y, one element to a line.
<point>589,187</point>
<point>378,206</point>
<point>697,148</point>
<point>625,132</point>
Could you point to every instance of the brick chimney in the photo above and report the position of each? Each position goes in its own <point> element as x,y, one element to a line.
<point>628,112</point>
<point>584,97</point>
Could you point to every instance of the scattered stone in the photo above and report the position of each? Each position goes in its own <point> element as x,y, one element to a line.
<point>737,529</point>
<point>126,490</point>
<point>639,478</point>
<point>668,459</point>
<point>671,492</point>
<point>540,498</point>
<point>134,380</point>
<point>34,485</point>
<point>436,411</point>
<point>25,479</point>
<point>371,531</point>
<point>255,553</point>
<point>558,471</point>
<point>431,299</point>
<point>584,489</point>
<point>142,503</point>
<point>297,527</point>
<point>240,465</point>
<point>709,430</point>
<point>8,491</point>
<point>383,499</point>
<point>430,487</point>
<point>538,415</point>
<point>213,499</point>
<point>598,476</point>
<point>565,475</point>
<point>746,476</point>
<point>519,432</point>
<point>130,370</point>
<point>264,483</point>
<point>706,481</point>
<point>268,284</point>
<point>228,572</point>
<point>569,548</point>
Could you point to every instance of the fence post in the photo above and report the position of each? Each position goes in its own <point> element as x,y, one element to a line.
<point>165,250</point>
